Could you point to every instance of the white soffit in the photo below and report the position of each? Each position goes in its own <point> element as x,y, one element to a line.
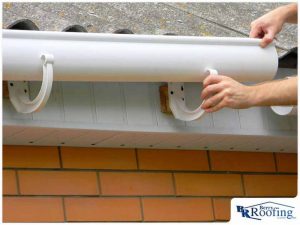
<point>150,140</point>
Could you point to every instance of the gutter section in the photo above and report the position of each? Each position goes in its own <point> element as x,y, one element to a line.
<point>134,58</point>
<point>61,56</point>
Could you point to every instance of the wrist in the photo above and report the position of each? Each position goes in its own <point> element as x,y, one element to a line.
<point>253,98</point>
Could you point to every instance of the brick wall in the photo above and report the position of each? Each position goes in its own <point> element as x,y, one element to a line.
<point>52,184</point>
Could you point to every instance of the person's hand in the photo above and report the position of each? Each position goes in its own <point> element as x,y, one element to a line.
<point>267,26</point>
<point>222,91</point>
<point>270,24</point>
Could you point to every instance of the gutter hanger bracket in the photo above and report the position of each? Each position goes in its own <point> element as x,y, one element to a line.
<point>177,101</point>
<point>19,93</point>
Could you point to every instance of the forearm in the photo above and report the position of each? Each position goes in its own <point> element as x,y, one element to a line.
<point>289,13</point>
<point>280,92</point>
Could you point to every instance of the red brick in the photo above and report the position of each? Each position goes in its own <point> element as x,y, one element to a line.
<point>242,161</point>
<point>286,162</point>
<point>270,185</point>
<point>58,183</point>
<point>103,209</point>
<point>172,160</point>
<point>30,157</point>
<point>134,183</point>
<point>222,208</point>
<point>32,209</point>
<point>98,158</point>
<point>177,209</point>
<point>208,184</point>
<point>9,182</point>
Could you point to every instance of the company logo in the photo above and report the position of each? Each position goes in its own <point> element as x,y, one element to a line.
<point>266,210</point>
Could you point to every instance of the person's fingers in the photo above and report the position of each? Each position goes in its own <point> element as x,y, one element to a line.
<point>255,32</point>
<point>212,101</point>
<point>267,39</point>
<point>217,107</point>
<point>212,79</point>
<point>211,90</point>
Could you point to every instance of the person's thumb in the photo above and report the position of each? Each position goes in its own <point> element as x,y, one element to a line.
<point>267,39</point>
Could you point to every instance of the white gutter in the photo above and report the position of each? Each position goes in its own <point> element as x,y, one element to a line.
<point>129,58</point>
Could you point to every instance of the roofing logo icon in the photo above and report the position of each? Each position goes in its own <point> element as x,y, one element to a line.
<point>267,210</point>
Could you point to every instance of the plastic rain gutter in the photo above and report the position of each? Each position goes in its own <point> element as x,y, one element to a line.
<point>61,56</point>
